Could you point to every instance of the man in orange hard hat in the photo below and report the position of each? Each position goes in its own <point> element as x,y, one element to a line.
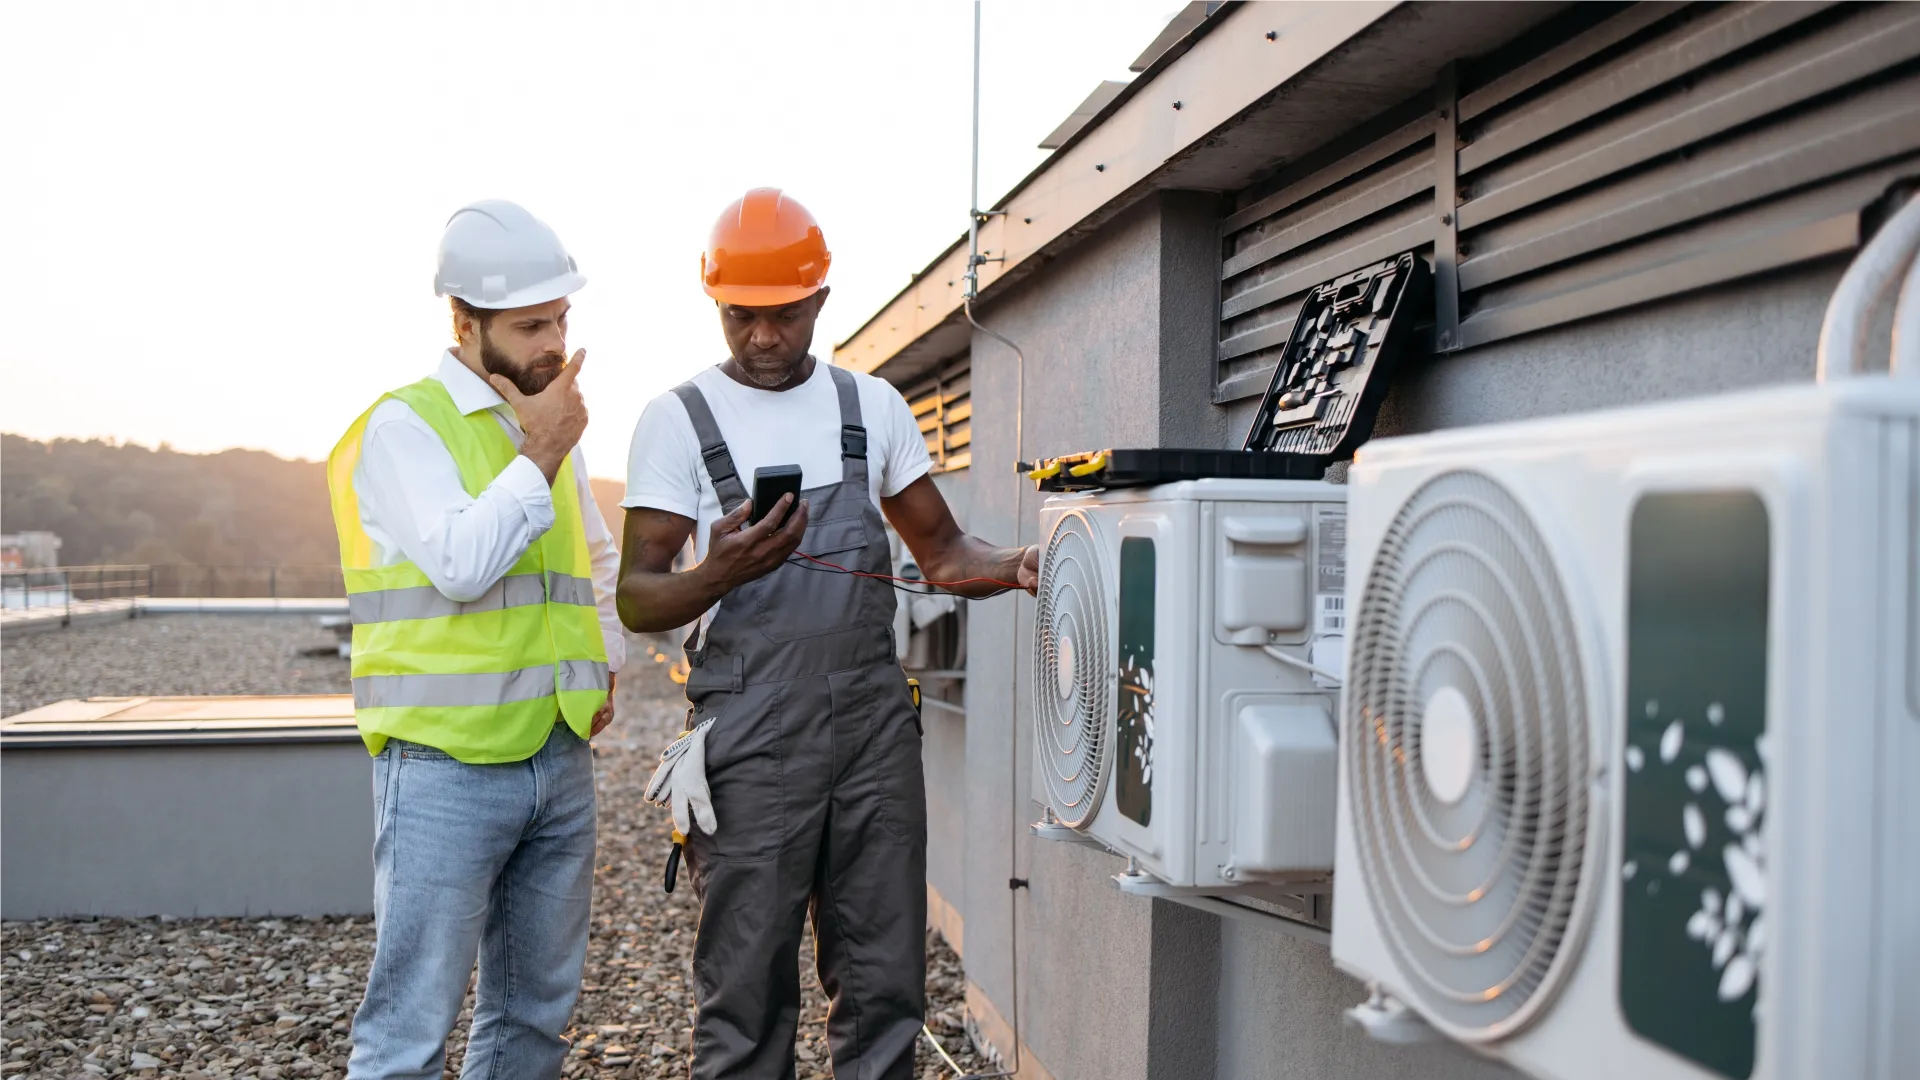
<point>798,786</point>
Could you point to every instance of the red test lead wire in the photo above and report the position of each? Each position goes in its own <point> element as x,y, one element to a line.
<point>911,581</point>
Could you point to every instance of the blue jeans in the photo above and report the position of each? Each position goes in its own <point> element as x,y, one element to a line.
<point>493,860</point>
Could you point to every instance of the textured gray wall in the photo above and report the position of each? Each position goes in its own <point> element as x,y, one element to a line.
<point>944,753</point>
<point>276,829</point>
<point>1281,1002</point>
<point>1088,325</point>
<point>1189,317</point>
<point>1185,1003</point>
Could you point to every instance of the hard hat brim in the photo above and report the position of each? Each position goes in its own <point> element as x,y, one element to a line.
<point>760,295</point>
<point>545,292</point>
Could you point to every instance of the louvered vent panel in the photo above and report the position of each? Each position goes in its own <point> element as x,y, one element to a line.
<point>943,406</point>
<point>1367,205</point>
<point>1646,150</point>
<point>1714,143</point>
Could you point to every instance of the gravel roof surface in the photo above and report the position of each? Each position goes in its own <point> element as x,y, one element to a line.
<point>170,654</point>
<point>274,998</point>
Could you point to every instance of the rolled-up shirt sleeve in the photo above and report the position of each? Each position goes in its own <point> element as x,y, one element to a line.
<point>407,481</point>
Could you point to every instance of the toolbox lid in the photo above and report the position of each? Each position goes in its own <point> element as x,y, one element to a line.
<point>1328,386</point>
<point>1322,402</point>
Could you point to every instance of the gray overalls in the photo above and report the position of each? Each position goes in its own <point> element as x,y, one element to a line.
<point>814,764</point>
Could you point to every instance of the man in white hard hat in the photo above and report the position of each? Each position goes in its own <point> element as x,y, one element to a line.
<point>480,579</point>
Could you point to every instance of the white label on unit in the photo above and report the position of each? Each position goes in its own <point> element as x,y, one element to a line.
<point>1330,570</point>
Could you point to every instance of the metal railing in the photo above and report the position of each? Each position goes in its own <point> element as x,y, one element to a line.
<point>62,586</point>
<point>67,586</point>
<point>246,581</point>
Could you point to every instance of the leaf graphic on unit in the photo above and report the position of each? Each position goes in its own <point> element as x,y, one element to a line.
<point>1729,776</point>
<point>1670,742</point>
<point>1738,978</point>
<point>1747,877</point>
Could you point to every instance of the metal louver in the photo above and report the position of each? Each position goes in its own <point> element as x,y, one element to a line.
<point>1073,661</point>
<point>1469,740</point>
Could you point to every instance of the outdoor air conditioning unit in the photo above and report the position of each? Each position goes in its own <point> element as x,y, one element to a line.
<point>1174,720</point>
<point>1191,624</point>
<point>1630,737</point>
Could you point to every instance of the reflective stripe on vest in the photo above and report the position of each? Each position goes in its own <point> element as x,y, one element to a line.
<point>492,688</point>
<point>486,679</point>
<point>427,602</point>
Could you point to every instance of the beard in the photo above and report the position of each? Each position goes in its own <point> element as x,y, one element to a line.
<point>771,374</point>
<point>529,379</point>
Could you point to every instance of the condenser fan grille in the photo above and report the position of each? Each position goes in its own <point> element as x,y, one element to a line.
<point>1468,728</point>
<point>1072,689</point>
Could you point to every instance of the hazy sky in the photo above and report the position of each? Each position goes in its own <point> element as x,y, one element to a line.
<point>223,216</point>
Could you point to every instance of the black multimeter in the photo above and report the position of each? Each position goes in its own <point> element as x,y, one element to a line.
<point>769,483</point>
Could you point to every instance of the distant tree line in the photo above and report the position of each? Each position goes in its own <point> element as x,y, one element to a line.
<point>125,503</point>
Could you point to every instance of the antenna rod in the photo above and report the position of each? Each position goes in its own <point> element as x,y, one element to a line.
<point>973,195</point>
<point>973,198</point>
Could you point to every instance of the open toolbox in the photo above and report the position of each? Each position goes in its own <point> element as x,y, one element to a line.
<point>1319,408</point>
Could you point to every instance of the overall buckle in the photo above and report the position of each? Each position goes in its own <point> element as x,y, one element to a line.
<point>719,463</point>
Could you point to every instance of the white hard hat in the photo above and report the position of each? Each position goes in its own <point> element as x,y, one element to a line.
<point>495,255</point>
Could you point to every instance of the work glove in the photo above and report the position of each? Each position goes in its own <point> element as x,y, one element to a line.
<point>680,782</point>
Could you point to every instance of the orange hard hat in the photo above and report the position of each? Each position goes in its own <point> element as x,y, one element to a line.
<point>766,250</point>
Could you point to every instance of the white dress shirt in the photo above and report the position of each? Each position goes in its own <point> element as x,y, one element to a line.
<point>415,509</point>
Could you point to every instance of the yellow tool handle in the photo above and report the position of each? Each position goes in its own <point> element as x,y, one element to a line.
<point>1050,469</point>
<point>1094,465</point>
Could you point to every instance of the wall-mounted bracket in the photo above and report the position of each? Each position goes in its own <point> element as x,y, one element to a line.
<point>1053,830</point>
<point>1213,901</point>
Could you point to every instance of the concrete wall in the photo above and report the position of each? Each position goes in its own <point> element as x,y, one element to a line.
<point>1088,325</point>
<point>186,830</point>
<point>944,752</point>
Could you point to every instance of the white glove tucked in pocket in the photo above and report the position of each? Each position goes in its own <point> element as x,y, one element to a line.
<point>680,782</point>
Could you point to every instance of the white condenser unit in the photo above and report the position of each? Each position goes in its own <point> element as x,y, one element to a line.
<point>1176,719</point>
<point>1630,737</point>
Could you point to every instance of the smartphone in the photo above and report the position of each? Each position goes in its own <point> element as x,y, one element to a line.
<point>769,483</point>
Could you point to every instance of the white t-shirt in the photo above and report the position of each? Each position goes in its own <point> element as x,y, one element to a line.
<point>799,426</point>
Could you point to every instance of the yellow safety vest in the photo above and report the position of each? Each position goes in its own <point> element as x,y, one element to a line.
<point>484,680</point>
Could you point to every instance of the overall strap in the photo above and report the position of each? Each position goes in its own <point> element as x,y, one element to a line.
<point>853,435</point>
<point>713,449</point>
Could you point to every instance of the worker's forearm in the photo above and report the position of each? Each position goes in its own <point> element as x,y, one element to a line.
<point>652,602</point>
<point>971,557</point>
